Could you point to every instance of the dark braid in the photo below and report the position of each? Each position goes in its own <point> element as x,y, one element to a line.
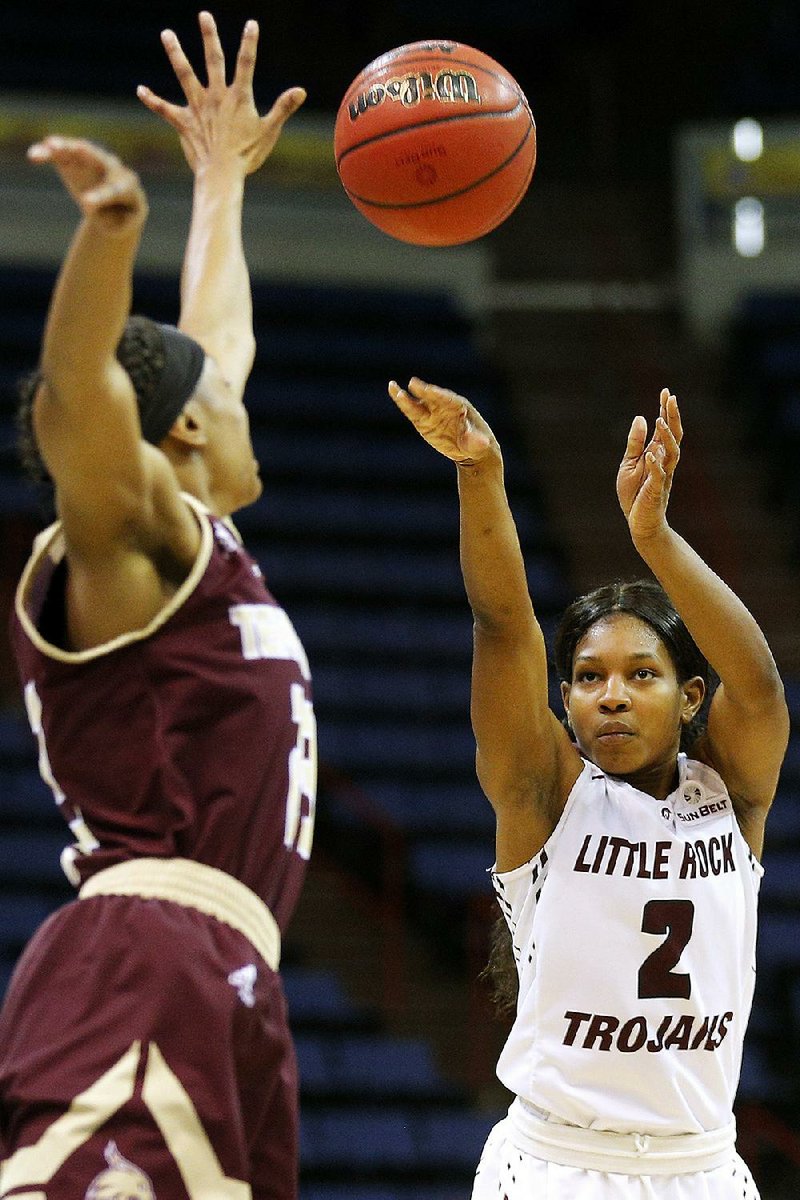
<point>500,971</point>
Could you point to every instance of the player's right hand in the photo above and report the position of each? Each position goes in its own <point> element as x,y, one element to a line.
<point>447,421</point>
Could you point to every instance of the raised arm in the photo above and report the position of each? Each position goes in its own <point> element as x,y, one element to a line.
<point>748,722</point>
<point>116,496</point>
<point>85,413</point>
<point>525,762</point>
<point>224,140</point>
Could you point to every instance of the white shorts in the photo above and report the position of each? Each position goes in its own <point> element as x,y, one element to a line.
<point>508,1173</point>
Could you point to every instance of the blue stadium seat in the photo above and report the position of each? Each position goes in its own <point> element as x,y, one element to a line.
<point>778,947</point>
<point>783,823</point>
<point>760,1082</point>
<point>370,631</point>
<point>421,806</point>
<point>21,915</point>
<point>316,996</point>
<point>33,857</point>
<point>384,1191</point>
<point>366,1065</point>
<point>25,796</point>
<point>381,745</point>
<point>396,688</point>
<point>16,740</point>
<point>386,573</point>
<point>790,773</point>
<point>781,883</point>
<point>453,1139</point>
<point>452,868</point>
<point>357,1139</point>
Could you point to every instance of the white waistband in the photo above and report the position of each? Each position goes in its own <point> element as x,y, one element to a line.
<point>194,885</point>
<point>623,1153</point>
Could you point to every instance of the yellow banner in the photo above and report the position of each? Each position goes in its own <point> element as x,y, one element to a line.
<point>775,173</point>
<point>302,158</point>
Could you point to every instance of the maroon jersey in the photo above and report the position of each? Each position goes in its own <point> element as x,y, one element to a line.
<point>194,737</point>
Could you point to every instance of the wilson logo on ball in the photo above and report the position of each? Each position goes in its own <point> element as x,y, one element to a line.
<point>449,87</point>
<point>435,143</point>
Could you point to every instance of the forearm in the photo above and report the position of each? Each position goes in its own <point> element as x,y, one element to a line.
<point>216,302</point>
<point>491,559</point>
<point>90,305</point>
<point>723,629</point>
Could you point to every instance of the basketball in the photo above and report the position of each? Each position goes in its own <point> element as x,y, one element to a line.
<point>435,143</point>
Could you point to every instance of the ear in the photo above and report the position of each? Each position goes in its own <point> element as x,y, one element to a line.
<point>565,690</point>
<point>693,692</point>
<point>188,427</point>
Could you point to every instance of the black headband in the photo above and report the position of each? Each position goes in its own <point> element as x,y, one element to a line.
<point>183,362</point>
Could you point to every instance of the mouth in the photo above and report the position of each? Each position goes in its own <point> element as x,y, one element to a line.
<point>611,734</point>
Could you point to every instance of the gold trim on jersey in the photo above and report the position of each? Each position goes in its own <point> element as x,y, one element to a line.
<point>50,543</point>
<point>194,885</point>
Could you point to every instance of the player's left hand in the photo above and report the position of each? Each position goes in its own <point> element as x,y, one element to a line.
<point>644,479</point>
<point>103,188</point>
<point>220,122</point>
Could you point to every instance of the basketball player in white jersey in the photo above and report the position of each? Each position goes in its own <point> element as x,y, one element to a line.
<point>628,839</point>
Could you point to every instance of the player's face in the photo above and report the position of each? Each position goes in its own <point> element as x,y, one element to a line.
<point>625,704</point>
<point>234,472</point>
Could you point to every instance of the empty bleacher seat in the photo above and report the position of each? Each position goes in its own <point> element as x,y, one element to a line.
<point>332,628</point>
<point>357,1139</point>
<point>421,806</point>
<point>315,997</point>
<point>33,856</point>
<point>368,1065</point>
<point>778,946</point>
<point>452,868</point>
<point>780,886</point>
<point>383,1191</point>
<point>367,746</point>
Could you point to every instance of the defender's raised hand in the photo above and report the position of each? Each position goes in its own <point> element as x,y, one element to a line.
<point>446,420</point>
<point>221,119</point>
<point>644,479</point>
<point>101,185</point>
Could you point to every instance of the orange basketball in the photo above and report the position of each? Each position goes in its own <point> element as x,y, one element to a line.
<point>435,143</point>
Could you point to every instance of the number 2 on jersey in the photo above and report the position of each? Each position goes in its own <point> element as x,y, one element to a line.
<point>657,978</point>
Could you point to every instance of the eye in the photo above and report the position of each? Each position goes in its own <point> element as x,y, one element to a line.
<point>645,673</point>
<point>587,677</point>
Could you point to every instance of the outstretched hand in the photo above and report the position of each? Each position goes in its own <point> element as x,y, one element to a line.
<point>99,183</point>
<point>446,420</point>
<point>644,479</point>
<point>220,122</point>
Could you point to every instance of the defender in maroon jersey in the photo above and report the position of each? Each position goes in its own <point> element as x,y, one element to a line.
<point>144,1045</point>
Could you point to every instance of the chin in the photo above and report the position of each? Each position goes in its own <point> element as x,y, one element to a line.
<point>615,762</point>
<point>247,496</point>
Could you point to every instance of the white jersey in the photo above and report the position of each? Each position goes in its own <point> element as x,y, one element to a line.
<point>634,933</point>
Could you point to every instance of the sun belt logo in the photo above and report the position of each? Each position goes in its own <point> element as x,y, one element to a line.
<point>447,87</point>
<point>120,1181</point>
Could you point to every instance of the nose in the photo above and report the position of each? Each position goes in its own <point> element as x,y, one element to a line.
<point>615,697</point>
